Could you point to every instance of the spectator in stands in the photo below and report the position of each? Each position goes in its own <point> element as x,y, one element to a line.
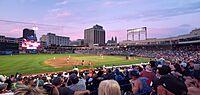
<point>175,73</point>
<point>148,73</point>
<point>197,71</point>
<point>9,81</point>
<point>58,81</point>
<point>169,84</point>
<point>51,89</point>
<point>139,84</point>
<point>31,82</point>
<point>194,84</point>
<point>2,78</point>
<point>3,85</point>
<point>18,84</point>
<point>118,75</point>
<point>109,87</point>
<point>177,66</point>
<point>109,74</point>
<point>185,70</point>
<point>77,84</point>
<point>27,90</point>
<point>194,88</point>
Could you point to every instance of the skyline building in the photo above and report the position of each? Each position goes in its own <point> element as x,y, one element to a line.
<point>113,41</point>
<point>94,36</point>
<point>53,39</point>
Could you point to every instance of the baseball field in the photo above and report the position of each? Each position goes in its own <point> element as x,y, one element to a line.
<point>41,63</point>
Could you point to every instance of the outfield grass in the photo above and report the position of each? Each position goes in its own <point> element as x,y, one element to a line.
<point>29,64</point>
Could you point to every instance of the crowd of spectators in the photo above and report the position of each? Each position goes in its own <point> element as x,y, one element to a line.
<point>174,72</point>
<point>156,78</point>
<point>181,53</point>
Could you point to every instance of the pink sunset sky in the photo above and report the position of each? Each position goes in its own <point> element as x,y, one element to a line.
<point>163,18</point>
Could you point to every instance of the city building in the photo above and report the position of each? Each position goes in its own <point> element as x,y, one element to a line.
<point>53,39</point>
<point>8,39</point>
<point>19,41</point>
<point>9,48</point>
<point>78,42</point>
<point>8,45</point>
<point>94,36</point>
<point>115,39</point>
<point>43,38</point>
<point>112,41</point>
<point>2,38</point>
<point>43,41</point>
<point>11,40</point>
<point>29,34</point>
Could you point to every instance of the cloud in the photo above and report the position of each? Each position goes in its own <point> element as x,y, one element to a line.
<point>56,14</point>
<point>191,8</point>
<point>169,32</point>
<point>115,3</point>
<point>23,1</point>
<point>64,2</point>
<point>72,32</point>
<point>63,14</point>
<point>163,14</point>
<point>185,25</point>
<point>55,10</point>
<point>15,30</point>
<point>12,31</point>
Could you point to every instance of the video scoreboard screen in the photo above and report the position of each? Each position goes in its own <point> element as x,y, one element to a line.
<point>30,44</point>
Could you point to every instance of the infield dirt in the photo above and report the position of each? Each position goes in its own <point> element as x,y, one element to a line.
<point>66,61</point>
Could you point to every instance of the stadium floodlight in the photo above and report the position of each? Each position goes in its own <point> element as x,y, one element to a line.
<point>138,31</point>
<point>35,28</point>
<point>143,29</point>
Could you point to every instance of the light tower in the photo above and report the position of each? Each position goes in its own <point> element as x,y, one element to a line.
<point>138,31</point>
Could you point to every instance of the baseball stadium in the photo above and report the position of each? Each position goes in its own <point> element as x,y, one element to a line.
<point>99,47</point>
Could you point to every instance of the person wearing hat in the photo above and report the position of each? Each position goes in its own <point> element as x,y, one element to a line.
<point>77,84</point>
<point>139,84</point>
<point>168,84</point>
<point>185,69</point>
<point>57,82</point>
